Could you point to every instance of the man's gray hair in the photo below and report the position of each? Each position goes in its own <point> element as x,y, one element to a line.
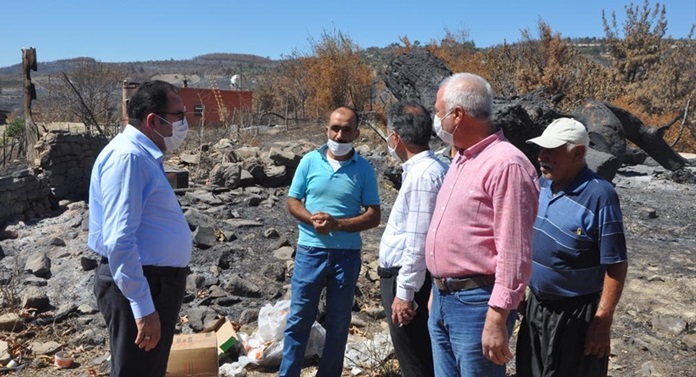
<point>471,92</point>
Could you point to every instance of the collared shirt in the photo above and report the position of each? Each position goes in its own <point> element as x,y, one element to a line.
<point>483,219</point>
<point>403,241</point>
<point>577,233</point>
<point>134,217</point>
<point>341,193</point>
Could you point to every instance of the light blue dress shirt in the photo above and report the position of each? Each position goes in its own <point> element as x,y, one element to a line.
<point>134,217</point>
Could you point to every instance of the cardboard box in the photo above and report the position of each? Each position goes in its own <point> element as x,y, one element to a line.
<point>193,355</point>
<point>226,336</point>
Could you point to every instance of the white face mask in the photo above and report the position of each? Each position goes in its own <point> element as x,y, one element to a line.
<point>446,137</point>
<point>392,151</point>
<point>339,149</point>
<point>179,131</point>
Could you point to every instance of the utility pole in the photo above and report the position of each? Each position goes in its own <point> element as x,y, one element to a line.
<point>32,132</point>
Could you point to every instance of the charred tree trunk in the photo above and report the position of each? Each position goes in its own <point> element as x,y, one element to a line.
<point>650,139</point>
<point>32,132</point>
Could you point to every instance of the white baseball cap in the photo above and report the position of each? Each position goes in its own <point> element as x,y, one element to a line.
<point>562,131</point>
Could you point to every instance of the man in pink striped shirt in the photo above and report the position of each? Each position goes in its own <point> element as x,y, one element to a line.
<point>478,247</point>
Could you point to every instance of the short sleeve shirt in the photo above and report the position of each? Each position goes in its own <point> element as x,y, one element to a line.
<point>341,193</point>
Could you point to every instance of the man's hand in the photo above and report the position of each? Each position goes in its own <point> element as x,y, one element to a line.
<point>403,312</point>
<point>598,337</point>
<point>149,331</point>
<point>494,338</point>
<point>323,222</point>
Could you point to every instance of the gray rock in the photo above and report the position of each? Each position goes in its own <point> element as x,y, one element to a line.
<point>5,356</point>
<point>284,157</point>
<point>243,223</point>
<point>603,163</point>
<point>668,325</point>
<point>11,322</point>
<point>246,179</point>
<point>254,200</point>
<point>204,237</point>
<point>45,348</point>
<point>271,233</point>
<point>238,286</point>
<point>54,241</point>
<point>276,176</point>
<point>284,253</point>
<point>89,337</point>
<point>248,316</point>
<point>196,218</point>
<point>206,197</point>
<point>33,297</point>
<point>690,341</point>
<point>280,242</point>
<point>39,264</point>
<point>88,264</point>
<point>247,153</point>
<point>274,271</point>
<point>200,317</point>
<point>86,309</point>
<point>647,213</point>
<point>192,159</point>
<point>226,174</point>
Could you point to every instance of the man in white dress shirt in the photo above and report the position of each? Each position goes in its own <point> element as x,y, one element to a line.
<point>404,280</point>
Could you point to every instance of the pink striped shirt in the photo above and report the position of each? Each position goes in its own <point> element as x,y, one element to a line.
<point>484,217</point>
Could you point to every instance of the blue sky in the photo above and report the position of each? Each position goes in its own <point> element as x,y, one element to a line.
<point>133,30</point>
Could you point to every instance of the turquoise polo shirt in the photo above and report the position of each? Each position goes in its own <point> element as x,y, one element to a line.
<point>342,194</point>
<point>577,233</point>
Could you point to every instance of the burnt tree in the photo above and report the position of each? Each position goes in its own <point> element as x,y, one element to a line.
<point>31,131</point>
<point>417,75</point>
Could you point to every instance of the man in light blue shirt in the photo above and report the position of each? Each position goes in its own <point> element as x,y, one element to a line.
<point>330,188</point>
<point>137,226</point>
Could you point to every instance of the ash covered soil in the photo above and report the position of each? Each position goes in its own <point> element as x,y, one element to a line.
<point>653,331</point>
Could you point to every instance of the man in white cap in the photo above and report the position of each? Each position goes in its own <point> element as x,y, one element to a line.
<point>579,262</point>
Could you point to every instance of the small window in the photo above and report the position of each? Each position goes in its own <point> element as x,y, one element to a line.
<point>198,110</point>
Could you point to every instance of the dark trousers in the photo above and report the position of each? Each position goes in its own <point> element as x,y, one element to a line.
<point>551,341</point>
<point>167,287</point>
<point>412,341</point>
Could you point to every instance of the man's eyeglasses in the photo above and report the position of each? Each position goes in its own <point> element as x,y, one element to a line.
<point>179,115</point>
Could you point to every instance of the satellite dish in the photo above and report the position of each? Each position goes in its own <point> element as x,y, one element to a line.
<point>237,82</point>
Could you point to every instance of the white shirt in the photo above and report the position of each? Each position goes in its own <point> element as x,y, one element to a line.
<point>403,241</point>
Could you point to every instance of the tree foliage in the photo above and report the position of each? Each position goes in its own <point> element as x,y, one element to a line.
<point>337,75</point>
<point>90,94</point>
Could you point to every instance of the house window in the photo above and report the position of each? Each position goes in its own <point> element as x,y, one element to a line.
<point>198,110</point>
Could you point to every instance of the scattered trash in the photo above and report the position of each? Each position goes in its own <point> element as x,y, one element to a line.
<point>63,360</point>
<point>265,346</point>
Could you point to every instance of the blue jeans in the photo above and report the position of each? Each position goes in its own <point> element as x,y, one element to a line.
<point>316,268</point>
<point>456,325</point>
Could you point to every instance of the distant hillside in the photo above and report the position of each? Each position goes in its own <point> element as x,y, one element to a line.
<point>201,69</point>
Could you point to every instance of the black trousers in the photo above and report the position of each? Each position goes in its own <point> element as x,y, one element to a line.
<point>167,287</point>
<point>412,341</point>
<point>551,341</point>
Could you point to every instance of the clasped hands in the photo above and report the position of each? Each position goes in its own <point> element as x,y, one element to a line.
<point>323,222</point>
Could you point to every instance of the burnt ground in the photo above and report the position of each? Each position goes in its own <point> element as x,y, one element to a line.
<point>653,325</point>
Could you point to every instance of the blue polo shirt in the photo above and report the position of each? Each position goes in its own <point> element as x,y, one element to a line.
<point>577,233</point>
<point>342,194</point>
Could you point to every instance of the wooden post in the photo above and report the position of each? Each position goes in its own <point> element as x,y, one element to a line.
<point>32,132</point>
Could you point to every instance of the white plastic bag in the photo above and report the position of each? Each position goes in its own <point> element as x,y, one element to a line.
<point>272,320</point>
<point>265,346</point>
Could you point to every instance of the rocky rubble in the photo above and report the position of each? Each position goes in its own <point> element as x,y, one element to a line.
<point>242,260</point>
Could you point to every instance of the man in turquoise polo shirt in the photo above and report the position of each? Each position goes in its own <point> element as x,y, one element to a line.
<point>330,188</point>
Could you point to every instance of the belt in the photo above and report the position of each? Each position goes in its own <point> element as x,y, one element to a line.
<point>463,284</point>
<point>387,273</point>
<point>174,272</point>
